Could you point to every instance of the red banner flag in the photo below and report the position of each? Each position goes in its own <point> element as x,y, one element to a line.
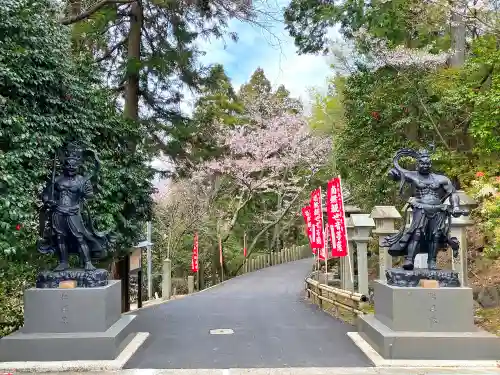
<point>245,245</point>
<point>221,259</point>
<point>306,213</point>
<point>323,252</point>
<point>336,218</point>
<point>194,257</point>
<point>317,220</point>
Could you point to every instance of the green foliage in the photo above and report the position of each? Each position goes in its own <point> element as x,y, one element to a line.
<point>472,94</point>
<point>47,98</point>
<point>399,22</point>
<point>384,110</point>
<point>167,33</point>
<point>487,191</point>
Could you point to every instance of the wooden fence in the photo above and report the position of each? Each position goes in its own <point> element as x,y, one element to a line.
<point>334,300</point>
<point>258,261</point>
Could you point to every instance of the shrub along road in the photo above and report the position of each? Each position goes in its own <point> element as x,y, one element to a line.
<point>273,327</point>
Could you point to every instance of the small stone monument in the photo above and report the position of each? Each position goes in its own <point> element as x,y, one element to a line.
<point>424,314</point>
<point>71,314</point>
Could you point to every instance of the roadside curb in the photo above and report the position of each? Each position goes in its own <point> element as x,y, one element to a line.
<point>79,366</point>
<point>379,361</point>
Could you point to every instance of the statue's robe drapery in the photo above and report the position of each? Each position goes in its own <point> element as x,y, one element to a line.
<point>70,218</point>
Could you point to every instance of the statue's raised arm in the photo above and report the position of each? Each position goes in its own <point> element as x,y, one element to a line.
<point>399,173</point>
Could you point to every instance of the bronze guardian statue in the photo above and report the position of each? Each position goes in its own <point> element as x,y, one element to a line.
<point>429,231</point>
<point>65,223</point>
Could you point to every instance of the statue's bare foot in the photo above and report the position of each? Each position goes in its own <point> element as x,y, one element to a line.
<point>61,267</point>
<point>89,266</point>
<point>408,265</point>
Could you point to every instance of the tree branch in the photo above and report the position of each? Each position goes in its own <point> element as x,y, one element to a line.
<point>270,225</point>
<point>110,51</point>
<point>93,9</point>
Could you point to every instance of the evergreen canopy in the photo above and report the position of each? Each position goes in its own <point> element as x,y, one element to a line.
<point>46,97</point>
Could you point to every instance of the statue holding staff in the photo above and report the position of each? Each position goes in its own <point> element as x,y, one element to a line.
<point>65,223</point>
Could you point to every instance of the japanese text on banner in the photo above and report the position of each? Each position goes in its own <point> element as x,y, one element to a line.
<point>317,220</point>
<point>336,218</point>
<point>194,257</point>
<point>306,213</point>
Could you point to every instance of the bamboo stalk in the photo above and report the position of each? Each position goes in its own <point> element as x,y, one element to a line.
<point>341,305</point>
<point>345,293</point>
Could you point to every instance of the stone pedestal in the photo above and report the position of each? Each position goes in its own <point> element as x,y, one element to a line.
<point>70,325</point>
<point>426,324</point>
<point>406,278</point>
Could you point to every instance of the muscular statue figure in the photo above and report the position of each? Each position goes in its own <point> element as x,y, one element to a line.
<point>65,224</point>
<point>430,225</point>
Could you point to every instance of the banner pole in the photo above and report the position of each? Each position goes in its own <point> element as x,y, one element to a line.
<point>325,247</point>
<point>245,251</point>
<point>221,258</point>
<point>349,260</point>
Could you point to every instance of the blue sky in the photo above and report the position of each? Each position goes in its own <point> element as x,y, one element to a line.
<point>273,50</point>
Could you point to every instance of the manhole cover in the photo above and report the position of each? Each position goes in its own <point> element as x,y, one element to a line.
<point>221,331</point>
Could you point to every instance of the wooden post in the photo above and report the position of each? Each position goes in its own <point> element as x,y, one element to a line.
<point>139,288</point>
<point>124,270</point>
<point>320,294</point>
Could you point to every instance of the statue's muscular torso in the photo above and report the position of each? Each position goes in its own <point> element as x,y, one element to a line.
<point>428,188</point>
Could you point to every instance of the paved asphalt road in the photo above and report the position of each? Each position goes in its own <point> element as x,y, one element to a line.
<point>273,327</point>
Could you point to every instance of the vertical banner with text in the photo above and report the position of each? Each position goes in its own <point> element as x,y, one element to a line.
<point>221,258</point>
<point>307,214</point>
<point>194,257</point>
<point>336,218</point>
<point>317,220</point>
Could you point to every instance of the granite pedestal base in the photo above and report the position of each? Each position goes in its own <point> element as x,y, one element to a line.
<point>426,324</point>
<point>70,324</point>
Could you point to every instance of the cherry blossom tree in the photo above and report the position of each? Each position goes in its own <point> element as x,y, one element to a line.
<point>275,154</point>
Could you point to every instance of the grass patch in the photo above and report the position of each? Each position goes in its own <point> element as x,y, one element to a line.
<point>489,319</point>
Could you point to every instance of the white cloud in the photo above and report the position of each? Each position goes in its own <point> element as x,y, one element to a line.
<point>273,50</point>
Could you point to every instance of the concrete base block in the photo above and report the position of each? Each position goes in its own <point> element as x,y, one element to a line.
<point>54,310</point>
<point>100,367</point>
<point>413,323</point>
<point>20,346</point>
<point>76,324</point>
<point>472,346</point>
<point>419,309</point>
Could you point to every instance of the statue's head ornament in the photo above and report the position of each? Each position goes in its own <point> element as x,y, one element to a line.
<point>73,151</point>
<point>425,153</point>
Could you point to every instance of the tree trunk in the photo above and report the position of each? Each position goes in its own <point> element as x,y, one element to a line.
<point>131,112</point>
<point>134,65</point>
<point>458,31</point>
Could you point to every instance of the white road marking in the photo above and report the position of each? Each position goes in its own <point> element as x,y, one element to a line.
<point>225,372</point>
<point>221,331</point>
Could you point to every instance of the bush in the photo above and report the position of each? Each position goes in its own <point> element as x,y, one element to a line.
<point>47,98</point>
<point>487,192</point>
